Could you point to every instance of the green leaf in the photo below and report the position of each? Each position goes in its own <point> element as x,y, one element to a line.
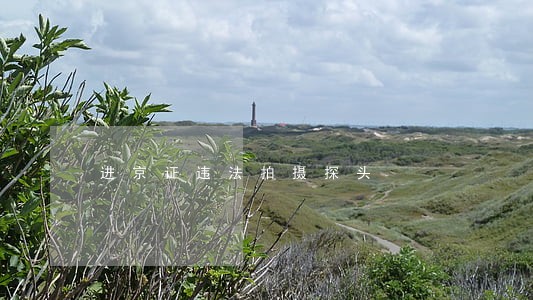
<point>154,108</point>
<point>13,261</point>
<point>60,95</point>
<point>16,44</point>
<point>145,100</point>
<point>129,120</point>
<point>53,31</point>
<point>212,142</point>
<point>61,31</point>
<point>81,45</point>
<point>24,89</point>
<point>40,37</point>
<point>116,159</point>
<point>126,153</point>
<point>29,206</point>
<point>12,249</point>
<point>47,25</point>
<point>206,147</point>
<point>41,24</point>
<point>15,83</point>
<point>3,48</point>
<point>63,213</point>
<point>248,156</point>
<point>5,280</point>
<point>88,134</point>
<point>9,153</point>
<point>66,176</point>
<point>69,43</point>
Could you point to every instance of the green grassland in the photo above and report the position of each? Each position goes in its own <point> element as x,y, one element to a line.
<point>470,189</point>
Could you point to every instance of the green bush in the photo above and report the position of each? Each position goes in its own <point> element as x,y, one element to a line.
<point>405,276</point>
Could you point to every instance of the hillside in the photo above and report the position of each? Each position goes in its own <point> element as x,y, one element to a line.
<point>469,189</point>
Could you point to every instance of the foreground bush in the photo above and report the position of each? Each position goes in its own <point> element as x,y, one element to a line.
<point>324,265</point>
<point>405,276</point>
<point>500,276</point>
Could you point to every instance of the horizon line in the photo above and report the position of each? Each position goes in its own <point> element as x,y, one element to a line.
<point>259,124</point>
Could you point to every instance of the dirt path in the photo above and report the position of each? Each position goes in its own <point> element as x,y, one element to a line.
<point>392,247</point>
<point>385,195</point>
<point>380,200</point>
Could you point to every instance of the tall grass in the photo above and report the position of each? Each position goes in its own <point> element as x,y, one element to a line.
<point>320,266</point>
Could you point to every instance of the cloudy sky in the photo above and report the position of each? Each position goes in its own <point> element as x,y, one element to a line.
<point>367,62</point>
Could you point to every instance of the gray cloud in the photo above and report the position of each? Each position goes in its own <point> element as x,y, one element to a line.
<point>434,62</point>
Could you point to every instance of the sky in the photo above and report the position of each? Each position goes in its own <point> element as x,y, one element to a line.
<point>368,62</point>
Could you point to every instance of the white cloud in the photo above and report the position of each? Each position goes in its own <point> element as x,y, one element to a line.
<point>204,54</point>
<point>496,68</point>
<point>350,74</point>
<point>15,27</point>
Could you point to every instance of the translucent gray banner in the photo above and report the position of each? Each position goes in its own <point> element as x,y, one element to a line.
<point>146,196</point>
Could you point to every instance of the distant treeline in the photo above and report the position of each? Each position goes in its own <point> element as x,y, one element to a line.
<point>387,129</point>
<point>452,130</point>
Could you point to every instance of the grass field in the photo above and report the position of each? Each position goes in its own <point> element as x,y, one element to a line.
<point>471,189</point>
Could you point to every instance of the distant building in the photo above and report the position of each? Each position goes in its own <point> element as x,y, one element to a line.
<point>254,122</point>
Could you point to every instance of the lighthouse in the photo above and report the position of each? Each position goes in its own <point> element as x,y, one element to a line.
<point>254,122</point>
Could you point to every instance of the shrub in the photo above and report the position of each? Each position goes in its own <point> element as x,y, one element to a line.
<point>320,266</point>
<point>405,276</point>
<point>494,276</point>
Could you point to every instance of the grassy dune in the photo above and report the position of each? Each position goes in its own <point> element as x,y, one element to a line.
<point>471,189</point>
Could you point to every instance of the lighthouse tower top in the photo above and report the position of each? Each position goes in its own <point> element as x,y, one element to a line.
<point>253,123</point>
